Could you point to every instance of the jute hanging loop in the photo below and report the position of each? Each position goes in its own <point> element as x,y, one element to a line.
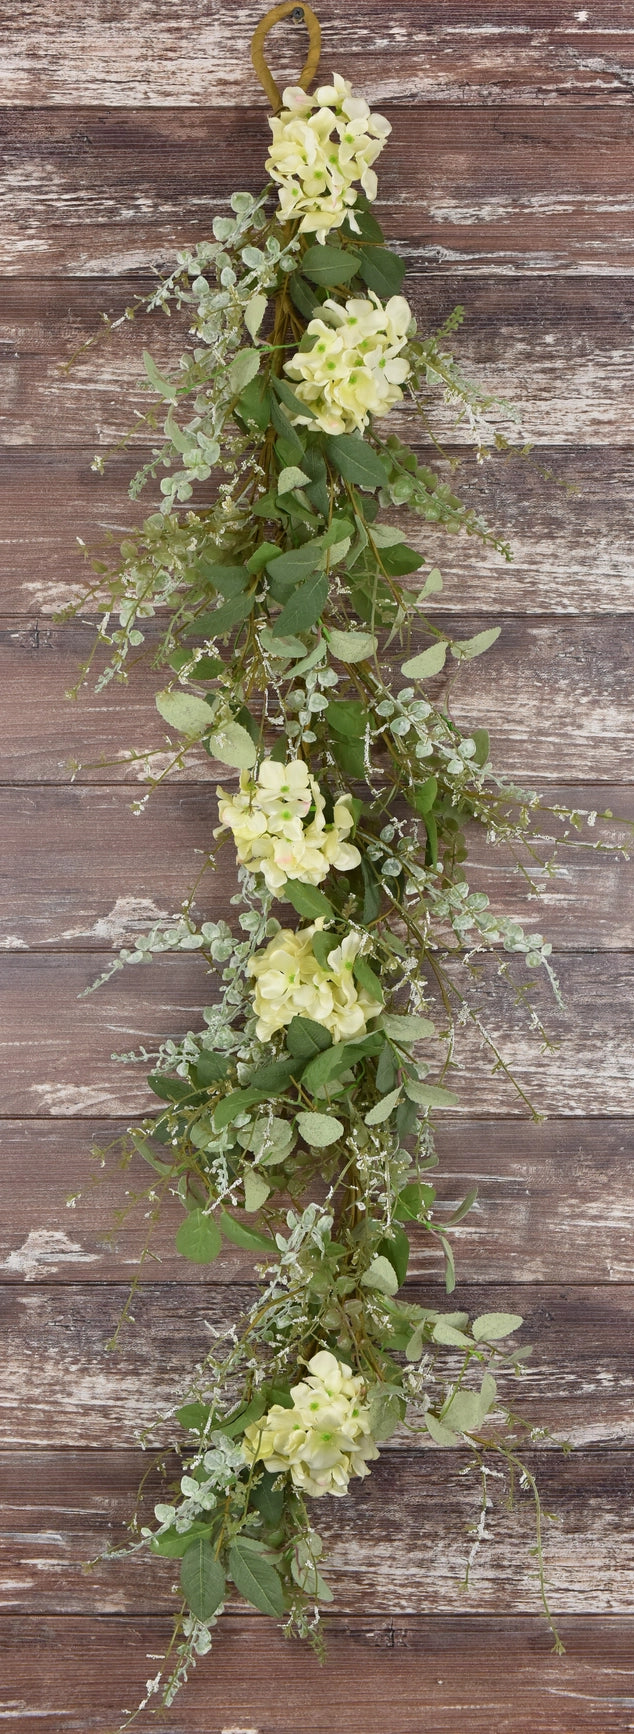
<point>257,48</point>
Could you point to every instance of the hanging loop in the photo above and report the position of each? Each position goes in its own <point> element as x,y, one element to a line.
<point>302,13</point>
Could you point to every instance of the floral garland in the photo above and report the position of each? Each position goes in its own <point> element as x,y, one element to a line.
<point>297,1124</point>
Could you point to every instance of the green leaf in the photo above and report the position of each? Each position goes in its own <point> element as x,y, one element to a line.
<point>256,1579</point>
<point>291,477</point>
<point>319,1129</point>
<point>173,1545</point>
<point>193,1416</point>
<point>254,313</point>
<point>256,1191</point>
<point>235,1103</point>
<point>268,1499</point>
<point>351,646</point>
<point>371,893</point>
<point>199,1238</point>
<point>467,1409</point>
<point>272,1079</point>
<point>386,1410</point>
<point>304,607</point>
<point>380,1275</point>
<point>489,1326</point>
<point>440,1434</point>
<point>169,1089</point>
<point>397,1250</point>
<point>229,580</point>
<point>191,716</point>
<point>230,613</point>
<point>233,746</point>
<point>326,1066</point>
<point>287,395</point>
<point>382,270</point>
<point>241,1234</point>
<point>254,404</point>
<point>368,979</point>
<point>450,1336</point>
<point>481,738</point>
<point>242,369</point>
<point>247,1413</point>
<point>210,1068</point>
<point>308,901</point>
<point>357,462</point>
<point>433,583</point>
<point>163,387</point>
<point>398,560</point>
<point>463,1208</point>
<point>305,1038</point>
<point>328,266</point>
<point>431,1095</point>
<point>347,716</point>
<point>428,662</point>
<point>466,648</point>
<point>303,296</point>
<point>424,794</point>
<point>202,1580</point>
<point>323,944</point>
<point>382,1110</point>
<point>406,1027</point>
<point>413,1201</point>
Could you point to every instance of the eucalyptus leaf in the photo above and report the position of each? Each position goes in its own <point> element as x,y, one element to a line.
<point>380,1275</point>
<point>319,1130</point>
<point>431,1095</point>
<point>242,369</point>
<point>256,1191</point>
<point>488,1327</point>
<point>185,712</point>
<point>254,313</point>
<point>466,648</point>
<point>440,1434</point>
<point>406,1027</point>
<point>382,1109</point>
<point>428,662</point>
<point>233,746</point>
<point>351,646</point>
<point>291,477</point>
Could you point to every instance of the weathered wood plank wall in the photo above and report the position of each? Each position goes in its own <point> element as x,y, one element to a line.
<point>508,187</point>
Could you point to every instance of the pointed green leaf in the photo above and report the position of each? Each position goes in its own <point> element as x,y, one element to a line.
<point>351,646</point>
<point>305,1038</point>
<point>427,663</point>
<point>202,1580</point>
<point>242,1234</point>
<point>382,270</point>
<point>256,1579</point>
<point>329,266</point>
<point>431,1095</point>
<point>304,606</point>
<point>380,1275</point>
<point>489,1326</point>
<point>191,716</point>
<point>256,1190</point>
<point>254,313</point>
<point>198,1238</point>
<point>357,462</point>
<point>287,395</point>
<point>466,648</point>
<point>382,1110</point>
<point>291,477</point>
<point>308,901</point>
<point>406,1027</point>
<point>319,1130</point>
<point>242,369</point>
<point>233,746</point>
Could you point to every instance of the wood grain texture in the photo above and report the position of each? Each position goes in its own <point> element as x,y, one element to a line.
<point>62,1388</point>
<point>571,536</point>
<point>63,1066</point>
<point>79,1502</point>
<point>503,191</point>
<point>413,53</point>
<point>555,694</point>
<point>382,1675</point>
<point>552,1200</point>
<point>559,349</point>
<point>82,872</point>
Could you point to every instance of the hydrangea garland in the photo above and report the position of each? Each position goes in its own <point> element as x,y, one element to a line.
<point>298,1123</point>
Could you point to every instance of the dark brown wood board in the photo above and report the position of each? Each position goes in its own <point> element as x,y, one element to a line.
<point>507,187</point>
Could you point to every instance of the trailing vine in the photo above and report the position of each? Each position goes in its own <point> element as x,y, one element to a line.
<point>286,619</point>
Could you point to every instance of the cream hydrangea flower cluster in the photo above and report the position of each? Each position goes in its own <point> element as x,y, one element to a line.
<point>321,145</point>
<point>289,982</point>
<point>325,1438</point>
<point>267,819</point>
<point>354,368</point>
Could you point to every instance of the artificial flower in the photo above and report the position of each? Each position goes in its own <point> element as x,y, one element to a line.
<point>267,817</point>
<point>354,368</point>
<point>289,982</point>
<point>325,1438</point>
<point>321,145</point>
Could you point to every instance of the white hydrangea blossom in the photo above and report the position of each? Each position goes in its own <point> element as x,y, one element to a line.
<point>321,145</point>
<point>289,982</point>
<point>354,368</point>
<point>325,1438</point>
<point>267,819</point>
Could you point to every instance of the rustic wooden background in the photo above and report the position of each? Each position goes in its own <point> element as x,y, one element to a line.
<point>508,186</point>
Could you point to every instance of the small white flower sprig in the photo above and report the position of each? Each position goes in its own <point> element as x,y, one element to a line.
<point>297,1123</point>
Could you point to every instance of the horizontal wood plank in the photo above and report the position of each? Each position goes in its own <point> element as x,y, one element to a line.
<point>480,190</point>
<point>555,694</point>
<point>62,1066</point>
<point>559,349</point>
<point>62,1388</point>
<point>400,1546</point>
<point>552,1200</point>
<point>571,532</point>
<point>522,54</point>
<point>82,872</point>
<point>491,1672</point>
